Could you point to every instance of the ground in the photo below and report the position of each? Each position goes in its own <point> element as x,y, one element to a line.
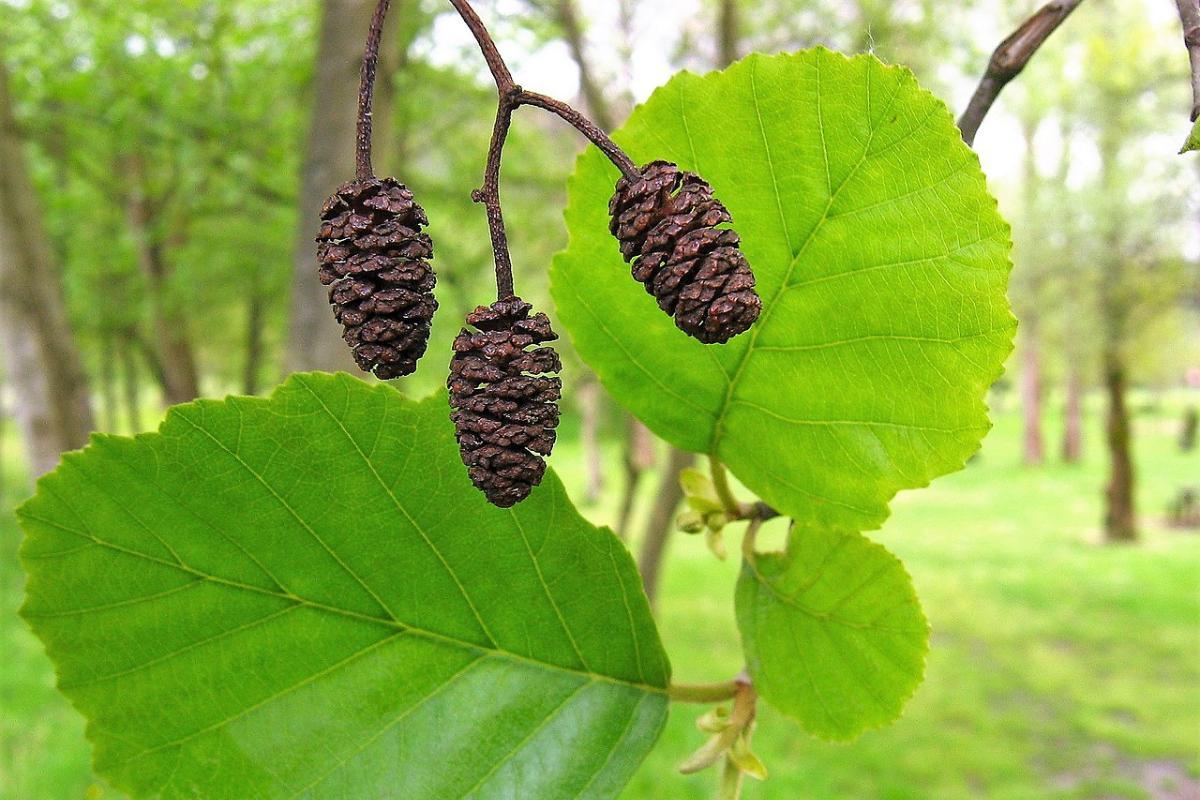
<point>1060,667</point>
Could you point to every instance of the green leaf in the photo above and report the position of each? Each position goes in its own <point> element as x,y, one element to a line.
<point>881,260</point>
<point>304,597</point>
<point>1192,142</point>
<point>833,632</point>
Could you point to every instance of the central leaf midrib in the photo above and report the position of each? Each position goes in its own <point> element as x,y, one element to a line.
<point>734,381</point>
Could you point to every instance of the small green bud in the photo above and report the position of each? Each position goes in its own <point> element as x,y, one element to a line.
<point>714,721</point>
<point>690,522</point>
<point>716,520</point>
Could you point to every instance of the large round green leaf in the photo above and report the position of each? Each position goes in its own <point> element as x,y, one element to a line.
<point>833,632</point>
<point>882,264</point>
<point>304,597</point>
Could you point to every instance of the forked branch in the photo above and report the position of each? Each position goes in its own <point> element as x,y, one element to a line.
<point>510,97</point>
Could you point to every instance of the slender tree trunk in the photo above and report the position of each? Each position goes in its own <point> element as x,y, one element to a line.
<point>3,446</point>
<point>1187,431</point>
<point>136,342</point>
<point>729,25</point>
<point>590,411</point>
<point>255,312</point>
<point>639,457</point>
<point>662,521</point>
<point>108,381</point>
<point>181,378</point>
<point>1072,443</point>
<point>1033,449</point>
<point>315,340</point>
<point>131,384</point>
<point>1120,519</point>
<point>567,15</point>
<point>50,387</point>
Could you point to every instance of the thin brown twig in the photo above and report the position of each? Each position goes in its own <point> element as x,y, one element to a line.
<point>366,92</point>
<point>1009,58</point>
<point>1189,17</point>
<point>510,97</point>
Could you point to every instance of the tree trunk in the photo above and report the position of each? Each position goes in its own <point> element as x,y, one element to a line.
<point>108,381</point>
<point>567,16</point>
<point>1187,433</point>
<point>315,340</point>
<point>131,384</point>
<point>3,446</point>
<point>590,401</point>
<point>1072,443</point>
<point>181,378</point>
<point>50,387</point>
<point>1120,522</point>
<point>662,521</point>
<point>255,317</point>
<point>729,35</point>
<point>1033,450</point>
<point>639,457</point>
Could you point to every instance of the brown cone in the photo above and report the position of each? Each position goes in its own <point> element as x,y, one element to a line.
<point>666,222</point>
<point>374,258</point>
<point>505,405</point>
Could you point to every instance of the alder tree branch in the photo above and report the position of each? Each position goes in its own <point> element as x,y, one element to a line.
<point>1189,17</point>
<point>1010,57</point>
<point>366,92</point>
<point>704,692</point>
<point>510,97</point>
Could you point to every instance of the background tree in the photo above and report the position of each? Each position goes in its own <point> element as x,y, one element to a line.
<point>52,404</point>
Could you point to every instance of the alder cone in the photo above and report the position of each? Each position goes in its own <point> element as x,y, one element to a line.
<point>505,404</point>
<point>666,221</point>
<point>375,260</point>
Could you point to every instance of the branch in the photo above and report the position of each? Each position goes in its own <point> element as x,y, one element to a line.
<point>1010,57</point>
<point>1189,16</point>
<point>366,91</point>
<point>510,97</point>
<point>704,692</point>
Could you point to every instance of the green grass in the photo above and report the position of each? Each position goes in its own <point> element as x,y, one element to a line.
<point>1060,668</point>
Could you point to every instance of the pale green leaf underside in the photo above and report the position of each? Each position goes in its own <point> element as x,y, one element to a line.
<point>304,597</point>
<point>833,632</point>
<point>881,260</point>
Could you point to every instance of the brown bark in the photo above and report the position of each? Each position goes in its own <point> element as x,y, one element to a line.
<point>1033,447</point>
<point>638,450</point>
<point>315,340</point>
<point>1072,443</point>
<point>1120,518</point>
<point>661,521</point>
<point>50,387</point>
<point>1009,59</point>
